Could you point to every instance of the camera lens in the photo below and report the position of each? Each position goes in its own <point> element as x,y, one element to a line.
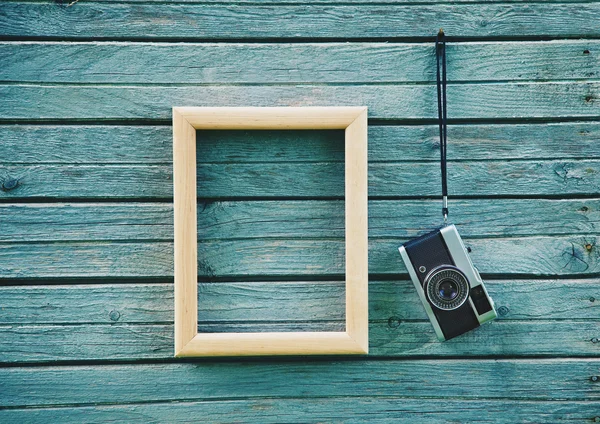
<point>448,289</point>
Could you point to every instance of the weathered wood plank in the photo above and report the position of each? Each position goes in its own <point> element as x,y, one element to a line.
<point>222,21</point>
<point>399,143</point>
<point>264,302</point>
<point>403,218</point>
<point>21,343</point>
<point>350,409</point>
<point>153,303</point>
<point>96,181</point>
<point>554,255</point>
<point>470,101</point>
<point>289,219</point>
<point>71,144</point>
<point>88,221</point>
<point>86,259</point>
<point>333,2</point>
<point>307,180</point>
<point>487,379</point>
<point>41,222</point>
<point>107,63</point>
<point>86,144</point>
<point>501,338</point>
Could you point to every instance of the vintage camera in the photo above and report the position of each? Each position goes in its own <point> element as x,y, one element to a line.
<point>448,284</point>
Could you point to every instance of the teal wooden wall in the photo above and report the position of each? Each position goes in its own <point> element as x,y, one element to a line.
<point>86,267</point>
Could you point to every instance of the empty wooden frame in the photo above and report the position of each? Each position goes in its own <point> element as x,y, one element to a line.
<point>188,342</point>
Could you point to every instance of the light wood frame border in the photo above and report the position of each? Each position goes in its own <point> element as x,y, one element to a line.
<point>188,342</point>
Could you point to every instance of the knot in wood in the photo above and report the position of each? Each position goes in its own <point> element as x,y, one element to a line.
<point>594,378</point>
<point>10,184</point>
<point>595,340</point>
<point>114,315</point>
<point>394,322</point>
<point>502,311</point>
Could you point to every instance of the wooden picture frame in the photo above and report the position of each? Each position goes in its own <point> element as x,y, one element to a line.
<point>188,342</point>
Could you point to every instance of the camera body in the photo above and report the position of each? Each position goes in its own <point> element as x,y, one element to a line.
<point>448,284</point>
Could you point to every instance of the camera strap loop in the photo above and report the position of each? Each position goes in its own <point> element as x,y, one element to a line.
<point>440,52</point>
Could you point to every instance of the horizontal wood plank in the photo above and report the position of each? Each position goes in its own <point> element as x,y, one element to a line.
<point>97,144</point>
<point>364,408</point>
<point>332,2</point>
<point>108,63</point>
<point>87,221</point>
<point>308,180</point>
<point>41,222</point>
<point>113,342</point>
<point>272,302</point>
<point>74,144</point>
<point>222,21</point>
<point>469,101</point>
<point>487,379</point>
<point>552,256</point>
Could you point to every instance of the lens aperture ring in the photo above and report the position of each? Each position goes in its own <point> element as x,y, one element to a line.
<point>437,283</point>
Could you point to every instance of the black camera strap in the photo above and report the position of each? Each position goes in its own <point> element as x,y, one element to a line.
<point>440,52</point>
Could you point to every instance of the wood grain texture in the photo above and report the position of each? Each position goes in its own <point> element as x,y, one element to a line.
<point>265,118</point>
<point>91,283</point>
<point>299,303</point>
<point>164,63</point>
<point>222,21</point>
<point>96,181</point>
<point>42,222</point>
<point>470,101</point>
<point>373,410</point>
<point>98,144</point>
<point>487,379</point>
<point>512,256</point>
<point>356,240</point>
<point>114,342</point>
<point>74,144</point>
<point>274,341</point>
<point>332,2</point>
<point>502,100</point>
<point>354,340</point>
<point>185,237</point>
<point>309,180</point>
<point>86,221</point>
